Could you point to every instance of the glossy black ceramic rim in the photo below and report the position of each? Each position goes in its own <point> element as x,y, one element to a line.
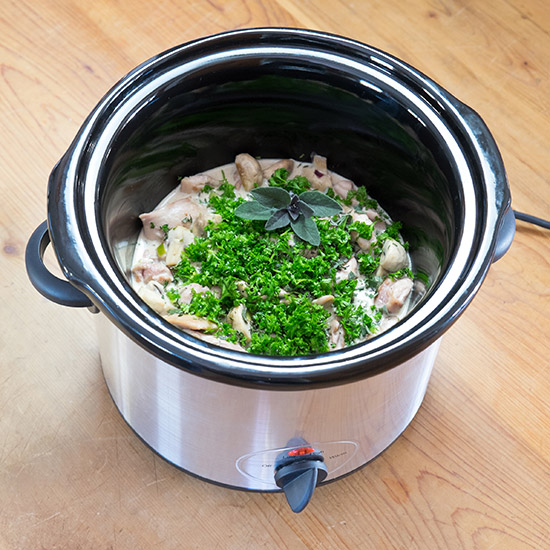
<point>75,221</point>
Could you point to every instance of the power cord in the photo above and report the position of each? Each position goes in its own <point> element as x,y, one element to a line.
<point>532,219</point>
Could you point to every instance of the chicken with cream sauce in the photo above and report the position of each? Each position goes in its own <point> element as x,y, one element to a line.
<point>233,282</point>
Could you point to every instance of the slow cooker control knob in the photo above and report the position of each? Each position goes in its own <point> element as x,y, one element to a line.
<point>297,474</point>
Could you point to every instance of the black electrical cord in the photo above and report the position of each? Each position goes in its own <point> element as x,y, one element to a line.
<point>532,219</point>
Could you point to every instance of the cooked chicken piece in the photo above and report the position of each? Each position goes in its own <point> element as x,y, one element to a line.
<point>350,268</point>
<point>242,287</point>
<point>335,335</point>
<point>208,338</point>
<point>342,186</point>
<point>364,244</point>
<point>287,164</point>
<point>237,319</point>
<point>190,321</point>
<point>151,294</point>
<point>249,170</point>
<point>361,217</point>
<point>393,294</point>
<point>185,212</point>
<point>394,256</point>
<point>318,174</point>
<point>151,270</point>
<point>325,300</point>
<point>178,239</point>
<point>186,292</point>
<point>387,322</point>
<point>379,226</point>
<point>195,184</point>
<point>373,215</point>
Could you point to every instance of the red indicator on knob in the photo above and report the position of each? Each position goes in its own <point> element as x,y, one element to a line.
<point>300,451</point>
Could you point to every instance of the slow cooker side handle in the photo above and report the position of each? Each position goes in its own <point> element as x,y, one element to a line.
<point>505,234</point>
<point>494,169</point>
<point>55,289</point>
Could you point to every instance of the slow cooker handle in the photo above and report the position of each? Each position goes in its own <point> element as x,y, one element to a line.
<point>55,289</point>
<point>491,154</point>
<point>505,234</point>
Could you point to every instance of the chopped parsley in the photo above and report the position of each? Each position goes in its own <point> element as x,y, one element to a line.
<point>361,196</point>
<point>297,185</point>
<point>405,272</point>
<point>391,232</point>
<point>364,230</point>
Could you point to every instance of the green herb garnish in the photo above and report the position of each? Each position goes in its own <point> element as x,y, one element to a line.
<point>297,185</point>
<point>363,229</point>
<point>405,272</point>
<point>361,196</point>
<point>281,208</point>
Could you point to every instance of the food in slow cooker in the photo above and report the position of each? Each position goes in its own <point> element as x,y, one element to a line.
<point>273,257</point>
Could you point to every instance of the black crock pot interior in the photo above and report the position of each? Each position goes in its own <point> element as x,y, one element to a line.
<point>273,109</point>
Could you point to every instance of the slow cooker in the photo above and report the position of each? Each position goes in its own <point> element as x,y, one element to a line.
<point>258,422</point>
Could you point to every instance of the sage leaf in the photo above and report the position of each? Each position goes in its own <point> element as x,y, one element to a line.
<point>279,219</point>
<point>306,229</point>
<point>293,208</point>
<point>305,209</point>
<point>272,197</point>
<point>253,210</point>
<point>322,205</point>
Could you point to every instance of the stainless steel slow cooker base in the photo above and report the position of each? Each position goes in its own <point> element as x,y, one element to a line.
<point>232,435</point>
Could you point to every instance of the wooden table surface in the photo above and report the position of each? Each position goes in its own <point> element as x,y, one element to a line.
<point>473,468</point>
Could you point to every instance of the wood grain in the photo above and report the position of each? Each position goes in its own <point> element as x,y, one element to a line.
<point>473,469</point>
